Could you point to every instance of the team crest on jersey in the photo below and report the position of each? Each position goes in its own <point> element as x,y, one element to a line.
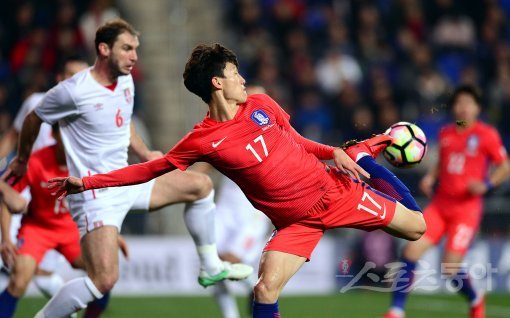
<point>260,117</point>
<point>127,95</point>
<point>472,144</point>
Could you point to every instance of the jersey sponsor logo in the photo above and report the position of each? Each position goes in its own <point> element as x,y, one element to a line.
<point>128,96</point>
<point>217,143</point>
<point>98,106</point>
<point>260,117</point>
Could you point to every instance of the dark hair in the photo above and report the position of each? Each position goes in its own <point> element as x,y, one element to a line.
<point>62,63</point>
<point>204,63</point>
<point>466,89</point>
<point>108,32</point>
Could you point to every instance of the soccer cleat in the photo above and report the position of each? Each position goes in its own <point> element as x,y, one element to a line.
<point>237,271</point>
<point>478,309</point>
<point>372,146</point>
<point>392,314</point>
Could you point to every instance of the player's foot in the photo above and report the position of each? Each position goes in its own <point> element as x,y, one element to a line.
<point>237,271</point>
<point>372,146</point>
<point>478,308</point>
<point>395,312</point>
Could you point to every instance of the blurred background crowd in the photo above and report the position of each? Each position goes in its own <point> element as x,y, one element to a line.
<point>343,69</point>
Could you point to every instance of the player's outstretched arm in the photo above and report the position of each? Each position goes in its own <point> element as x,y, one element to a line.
<point>134,174</point>
<point>28,134</point>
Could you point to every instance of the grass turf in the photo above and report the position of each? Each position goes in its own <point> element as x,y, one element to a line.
<point>338,305</point>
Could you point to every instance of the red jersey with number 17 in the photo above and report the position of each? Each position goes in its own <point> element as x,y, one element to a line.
<point>44,209</point>
<point>259,150</point>
<point>464,155</point>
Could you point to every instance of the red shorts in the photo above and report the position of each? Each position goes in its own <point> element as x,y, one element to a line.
<point>35,241</point>
<point>458,220</point>
<point>349,204</point>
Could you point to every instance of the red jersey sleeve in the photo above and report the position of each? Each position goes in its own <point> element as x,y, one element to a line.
<point>186,152</point>
<point>134,174</point>
<point>322,152</point>
<point>495,149</point>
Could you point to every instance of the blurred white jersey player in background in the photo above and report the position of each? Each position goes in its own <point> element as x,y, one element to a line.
<point>46,280</point>
<point>241,233</point>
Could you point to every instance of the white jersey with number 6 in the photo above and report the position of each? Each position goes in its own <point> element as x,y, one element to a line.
<point>94,124</point>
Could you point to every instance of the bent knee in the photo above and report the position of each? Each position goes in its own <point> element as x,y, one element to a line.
<point>419,228</point>
<point>201,185</point>
<point>265,293</point>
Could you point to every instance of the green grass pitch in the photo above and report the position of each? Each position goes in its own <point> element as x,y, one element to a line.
<point>353,304</point>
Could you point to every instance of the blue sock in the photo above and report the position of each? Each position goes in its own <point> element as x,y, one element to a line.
<point>385,181</point>
<point>404,282</point>
<point>8,304</point>
<point>96,307</point>
<point>265,310</point>
<point>466,288</point>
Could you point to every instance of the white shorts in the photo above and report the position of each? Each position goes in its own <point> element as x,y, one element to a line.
<point>110,209</point>
<point>240,228</point>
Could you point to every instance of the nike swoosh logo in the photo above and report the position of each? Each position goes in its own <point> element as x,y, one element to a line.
<point>383,216</point>
<point>216,144</point>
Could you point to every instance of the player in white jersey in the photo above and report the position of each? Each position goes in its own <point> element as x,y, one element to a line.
<point>94,110</point>
<point>240,236</point>
<point>46,279</point>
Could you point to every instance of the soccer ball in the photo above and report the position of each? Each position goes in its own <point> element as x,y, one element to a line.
<point>409,145</point>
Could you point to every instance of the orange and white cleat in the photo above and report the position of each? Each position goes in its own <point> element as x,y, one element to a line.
<point>372,146</point>
<point>394,313</point>
<point>478,308</point>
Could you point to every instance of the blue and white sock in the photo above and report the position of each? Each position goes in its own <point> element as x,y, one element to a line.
<point>385,181</point>
<point>402,287</point>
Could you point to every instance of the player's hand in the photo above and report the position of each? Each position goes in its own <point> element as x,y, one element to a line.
<point>477,187</point>
<point>153,154</point>
<point>347,165</point>
<point>17,169</point>
<point>427,185</point>
<point>9,252</point>
<point>63,186</point>
<point>123,246</point>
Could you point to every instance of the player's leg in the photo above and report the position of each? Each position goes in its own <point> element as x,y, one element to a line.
<point>46,279</point>
<point>461,231</point>
<point>100,254</point>
<point>382,179</point>
<point>196,190</point>
<point>285,252</point>
<point>22,272</point>
<point>276,268</point>
<point>411,254</point>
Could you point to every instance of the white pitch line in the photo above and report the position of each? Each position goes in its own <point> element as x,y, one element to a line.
<point>453,307</point>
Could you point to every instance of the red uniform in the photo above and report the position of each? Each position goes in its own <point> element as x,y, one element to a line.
<point>48,223</point>
<point>278,170</point>
<point>464,156</point>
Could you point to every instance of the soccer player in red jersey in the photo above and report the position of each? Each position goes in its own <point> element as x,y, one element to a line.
<point>250,140</point>
<point>466,150</point>
<point>46,224</point>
